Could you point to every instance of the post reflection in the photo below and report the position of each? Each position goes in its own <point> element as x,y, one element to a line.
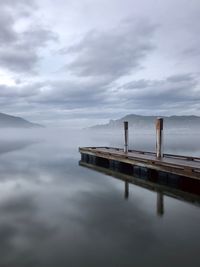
<point>160,204</point>
<point>179,187</point>
<point>160,199</point>
<point>126,190</point>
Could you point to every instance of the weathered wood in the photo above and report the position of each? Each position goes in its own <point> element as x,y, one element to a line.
<point>179,165</point>
<point>189,158</point>
<point>159,137</point>
<point>125,136</point>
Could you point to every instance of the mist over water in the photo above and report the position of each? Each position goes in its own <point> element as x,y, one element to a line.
<point>57,213</point>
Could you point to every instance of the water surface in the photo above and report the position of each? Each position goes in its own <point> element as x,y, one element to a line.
<point>57,213</point>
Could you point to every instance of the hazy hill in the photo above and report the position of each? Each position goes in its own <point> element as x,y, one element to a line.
<point>8,121</point>
<point>148,122</point>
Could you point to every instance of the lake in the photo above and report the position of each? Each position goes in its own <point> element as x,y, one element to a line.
<point>57,213</point>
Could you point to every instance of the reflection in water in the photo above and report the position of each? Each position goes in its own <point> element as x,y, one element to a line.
<point>13,145</point>
<point>126,190</point>
<point>56,213</point>
<point>160,199</point>
<point>160,203</point>
<point>160,182</point>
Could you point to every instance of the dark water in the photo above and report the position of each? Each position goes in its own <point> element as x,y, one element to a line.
<point>57,213</point>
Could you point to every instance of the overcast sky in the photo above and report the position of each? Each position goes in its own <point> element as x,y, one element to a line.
<point>82,62</point>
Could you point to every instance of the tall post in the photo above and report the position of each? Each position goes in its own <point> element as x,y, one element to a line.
<point>126,136</point>
<point>159,137</point>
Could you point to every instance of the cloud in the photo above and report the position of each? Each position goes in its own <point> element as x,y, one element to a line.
<point>112,53</point>
<point>176,91</point>
<point>19,90</point>
<point>19,48</point>
<point>72,94</point>
<point>93,99</point>
<point>53,98</point>
<point>134,61</point>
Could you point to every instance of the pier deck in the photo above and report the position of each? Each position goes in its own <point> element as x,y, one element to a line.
<point>175,164</point>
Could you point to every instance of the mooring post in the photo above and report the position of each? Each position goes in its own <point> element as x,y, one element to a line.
<point>159,137</point>
<point>126,136</point>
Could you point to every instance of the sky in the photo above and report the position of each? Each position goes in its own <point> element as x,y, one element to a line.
<point>79,63</point>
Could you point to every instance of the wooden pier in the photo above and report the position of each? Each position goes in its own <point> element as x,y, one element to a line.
<point>174,164</point>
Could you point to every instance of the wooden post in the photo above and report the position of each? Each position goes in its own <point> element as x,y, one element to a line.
<point>126,136</point>
<point>159,137</point>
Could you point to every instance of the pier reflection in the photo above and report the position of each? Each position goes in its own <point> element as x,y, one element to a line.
<point>126,190</point>
<point>160,203</point>
<point>160,199</point>
<point>164,184</point>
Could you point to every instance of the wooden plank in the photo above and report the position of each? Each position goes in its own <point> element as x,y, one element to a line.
<point>150,153</point>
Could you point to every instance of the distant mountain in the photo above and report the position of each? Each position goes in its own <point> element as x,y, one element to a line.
<point>8,121</point>
<point>139,122</point>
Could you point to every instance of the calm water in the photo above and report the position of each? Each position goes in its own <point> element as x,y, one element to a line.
<point>57,213</point>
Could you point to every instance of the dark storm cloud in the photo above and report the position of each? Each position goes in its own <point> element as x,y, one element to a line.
<point>19,49</point>
<point>112,53</point>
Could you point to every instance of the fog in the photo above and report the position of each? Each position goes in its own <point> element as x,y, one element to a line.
<point>185,143</point>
